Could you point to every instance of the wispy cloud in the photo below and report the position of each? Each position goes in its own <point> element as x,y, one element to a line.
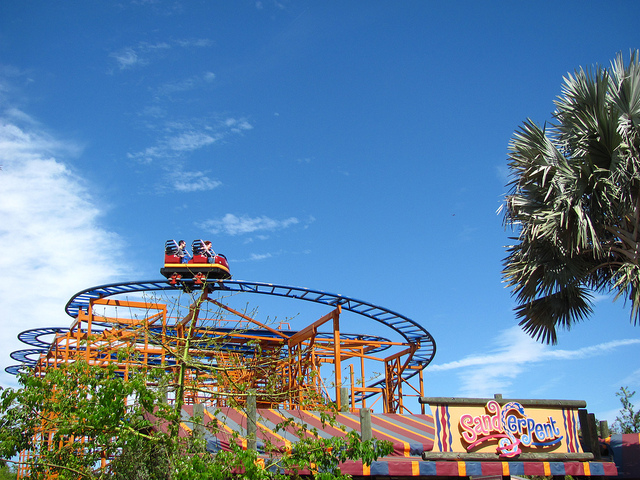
<point>189,141</point>
<point>632,379</point>
<point>237,125</point>
<point>502,172</point>
<point>144,53</point>
<point>231,224</point>
<point>257,257</point>
<point>179,138</point>
<point>173,146</point>
<point>138,56</point>
<point>50,229</point>
<point>260,256</point>
<point>260,5</point>
<point>483,375</point>
<point>126,58</point>
<point>185,85</point>
<point>195,42</point>
<point>23,137</point>
<point>193,182</point>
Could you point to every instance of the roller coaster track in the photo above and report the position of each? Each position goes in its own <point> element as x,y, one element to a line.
<point>410,330</point>
<point>32,336</point>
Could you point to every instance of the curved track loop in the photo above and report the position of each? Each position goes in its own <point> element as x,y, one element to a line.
<point>32,336</point>
<point>412,331</point>
<point>23,355</point>
<point>17,369</point>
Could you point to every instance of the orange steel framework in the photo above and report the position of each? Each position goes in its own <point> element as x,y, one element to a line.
<point>283,366</point>
<point>222,352</point>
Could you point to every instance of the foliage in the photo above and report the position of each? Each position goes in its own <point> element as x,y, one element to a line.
<point>93,413</point>
<point>7,473</point>
<point>575,200</point>
<point>73,417</point>
<point>629,420</point>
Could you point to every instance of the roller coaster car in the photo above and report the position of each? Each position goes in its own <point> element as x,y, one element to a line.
<point>199,267</point>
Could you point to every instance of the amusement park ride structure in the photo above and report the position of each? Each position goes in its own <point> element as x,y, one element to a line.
<point>149,324</point>
<point>217,355</point>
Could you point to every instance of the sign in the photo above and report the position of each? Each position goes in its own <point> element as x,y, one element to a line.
<point>504,428</point>
<point>510,427</point>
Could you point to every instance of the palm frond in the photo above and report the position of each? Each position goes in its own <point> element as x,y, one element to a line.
<point>574,198</point>
<point>542,317</point>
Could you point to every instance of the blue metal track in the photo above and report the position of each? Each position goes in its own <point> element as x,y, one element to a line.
<point>23,355</point>
<point>406,327</point>
<point>412,331</point>
<point>17,369</point>
<point>32,337</point>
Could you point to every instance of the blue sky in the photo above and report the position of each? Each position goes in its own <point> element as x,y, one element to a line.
<point>353,147</point>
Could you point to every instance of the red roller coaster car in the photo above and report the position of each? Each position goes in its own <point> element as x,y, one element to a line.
<point>200,266</point>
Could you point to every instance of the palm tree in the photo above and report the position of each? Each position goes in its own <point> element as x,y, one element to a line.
<point>574,200</point>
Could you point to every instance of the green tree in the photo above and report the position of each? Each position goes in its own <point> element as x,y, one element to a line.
<point>73,417</point>
<point>575,202</point>
<point>629,420</point>
<point>7,473</point>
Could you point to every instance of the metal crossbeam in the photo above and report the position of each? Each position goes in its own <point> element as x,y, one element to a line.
<point>410,330</point>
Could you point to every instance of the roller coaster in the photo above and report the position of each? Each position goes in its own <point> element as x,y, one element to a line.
<point>150,324</point>
<point>214,352</point>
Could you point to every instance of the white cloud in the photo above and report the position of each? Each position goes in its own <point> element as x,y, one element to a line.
<point>189,141</point>
<point>237,125</point>
<point>193,182</point>
<point>632,379</point>
<point>234,225</point>
<point>182,138</point>
<point>147,155</point>
<point>198,42</point>
<point>142,53</point>
<point>515,352</point>
<point>261,6</point>
<point>53,243</point>
<point>34,142</point>
<point>260,256</point>
<point>587,352</point>
<point>150,47</point>
<point>186,84</point>
<point>127,58</point>
<point>502,172</point>
<point>130,57</point>
<point>173,146</point>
